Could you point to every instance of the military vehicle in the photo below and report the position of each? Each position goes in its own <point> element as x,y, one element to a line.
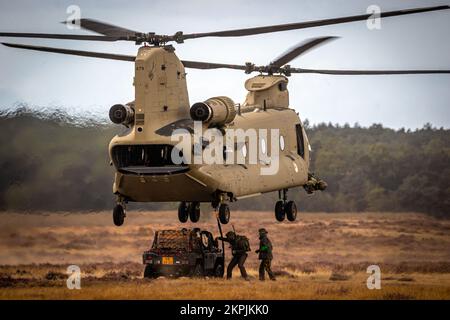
<point>143,156</point>
<point>185,252</point>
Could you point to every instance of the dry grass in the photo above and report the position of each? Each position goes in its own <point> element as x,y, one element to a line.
<point>322,256</point>
<point>123,281</point>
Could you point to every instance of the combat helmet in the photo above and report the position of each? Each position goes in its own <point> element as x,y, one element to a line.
<point>231,235</point>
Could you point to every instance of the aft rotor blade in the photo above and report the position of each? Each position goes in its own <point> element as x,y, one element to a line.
<point>60,36</point>
<point>102,27</point>
<point>368,72</point>
<point>74,52</point>
<point>308,24</point>
<point>299,49</point>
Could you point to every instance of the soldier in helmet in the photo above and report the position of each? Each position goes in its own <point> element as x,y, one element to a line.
<point>239,247</point>
<point>265,255</point>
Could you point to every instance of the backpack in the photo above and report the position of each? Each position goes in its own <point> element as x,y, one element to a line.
<point>243,243</point>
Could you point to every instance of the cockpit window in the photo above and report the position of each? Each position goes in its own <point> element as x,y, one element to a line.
<point>145,159</point>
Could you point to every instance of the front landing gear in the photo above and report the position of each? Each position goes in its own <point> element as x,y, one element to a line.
<point>183,212</point>
<point>188,210</point>
<point>119,214</point>
<point>284,208</point>
<point>194,211</point>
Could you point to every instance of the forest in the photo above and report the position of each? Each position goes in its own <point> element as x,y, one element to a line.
<point>57,164</point>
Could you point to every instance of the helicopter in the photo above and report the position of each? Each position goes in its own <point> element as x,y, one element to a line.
<point>150,166</point>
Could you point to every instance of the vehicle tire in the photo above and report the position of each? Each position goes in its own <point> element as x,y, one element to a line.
<point>197,272</point>
<point>148,272</point>
<point>118,215</point>
<point>218,271</point>
<point>183,212</point>
<point>194,211</point>
<point>291,211</point>
<point>279,211</point>
<point>224,213</point>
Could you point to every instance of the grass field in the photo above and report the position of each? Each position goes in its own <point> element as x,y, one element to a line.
<point>321,256</point>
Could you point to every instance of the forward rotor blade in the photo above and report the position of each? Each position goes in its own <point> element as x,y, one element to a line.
<point>368,72</point>
<point>102,28</point>
<point>60,36</point>
<point>74,52</point>
<point>307,24</point>
<point>208,65</point>
<point>187,64</point>
<point>299,49</point>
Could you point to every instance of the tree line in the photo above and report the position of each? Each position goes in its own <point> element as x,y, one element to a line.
<point>49,164</point>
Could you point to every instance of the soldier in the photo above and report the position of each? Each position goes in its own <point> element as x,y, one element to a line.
<point>239,247</point>
<point>265,255</point>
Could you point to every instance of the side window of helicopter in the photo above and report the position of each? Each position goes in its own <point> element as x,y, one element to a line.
<point>300,140</point>
<point>263,146</point>
<point>244,150</point>
<point>224,153</point>
<point>281,143</point>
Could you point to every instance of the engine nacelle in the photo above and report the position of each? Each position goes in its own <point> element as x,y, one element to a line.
<point>121,114</point>
<point>216,111</point>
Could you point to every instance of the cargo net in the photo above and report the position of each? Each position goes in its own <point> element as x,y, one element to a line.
<point>172,239</point>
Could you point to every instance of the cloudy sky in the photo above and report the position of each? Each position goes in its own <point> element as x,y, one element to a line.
<point>81,84</point>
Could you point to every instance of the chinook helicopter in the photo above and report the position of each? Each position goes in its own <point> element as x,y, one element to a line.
<point>143,154</point>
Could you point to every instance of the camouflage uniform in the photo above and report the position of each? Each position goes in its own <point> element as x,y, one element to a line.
<point>265,255</point>
<point>238,252</point>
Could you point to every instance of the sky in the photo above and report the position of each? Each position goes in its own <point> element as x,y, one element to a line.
<point>86,85</point>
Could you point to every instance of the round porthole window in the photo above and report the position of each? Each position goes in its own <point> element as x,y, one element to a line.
<point>282,143</point>
<point>263,146</point>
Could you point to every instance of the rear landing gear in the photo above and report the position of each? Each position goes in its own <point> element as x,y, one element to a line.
<point>119,214</point>
<point>189,210</point>
<point>224,213</point>
<point>279,211</point>
<point>291,211</point>
<point>284,208</point>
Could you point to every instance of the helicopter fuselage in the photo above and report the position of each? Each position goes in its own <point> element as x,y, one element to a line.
<point>141,155</point>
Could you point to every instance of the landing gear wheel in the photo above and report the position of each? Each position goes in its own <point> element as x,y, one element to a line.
<point>183,212</point>
<point>194,211</point>
<point>224,213</point>
<point>118,215</point>
<point>279,211</point>
<point>291,211</point>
